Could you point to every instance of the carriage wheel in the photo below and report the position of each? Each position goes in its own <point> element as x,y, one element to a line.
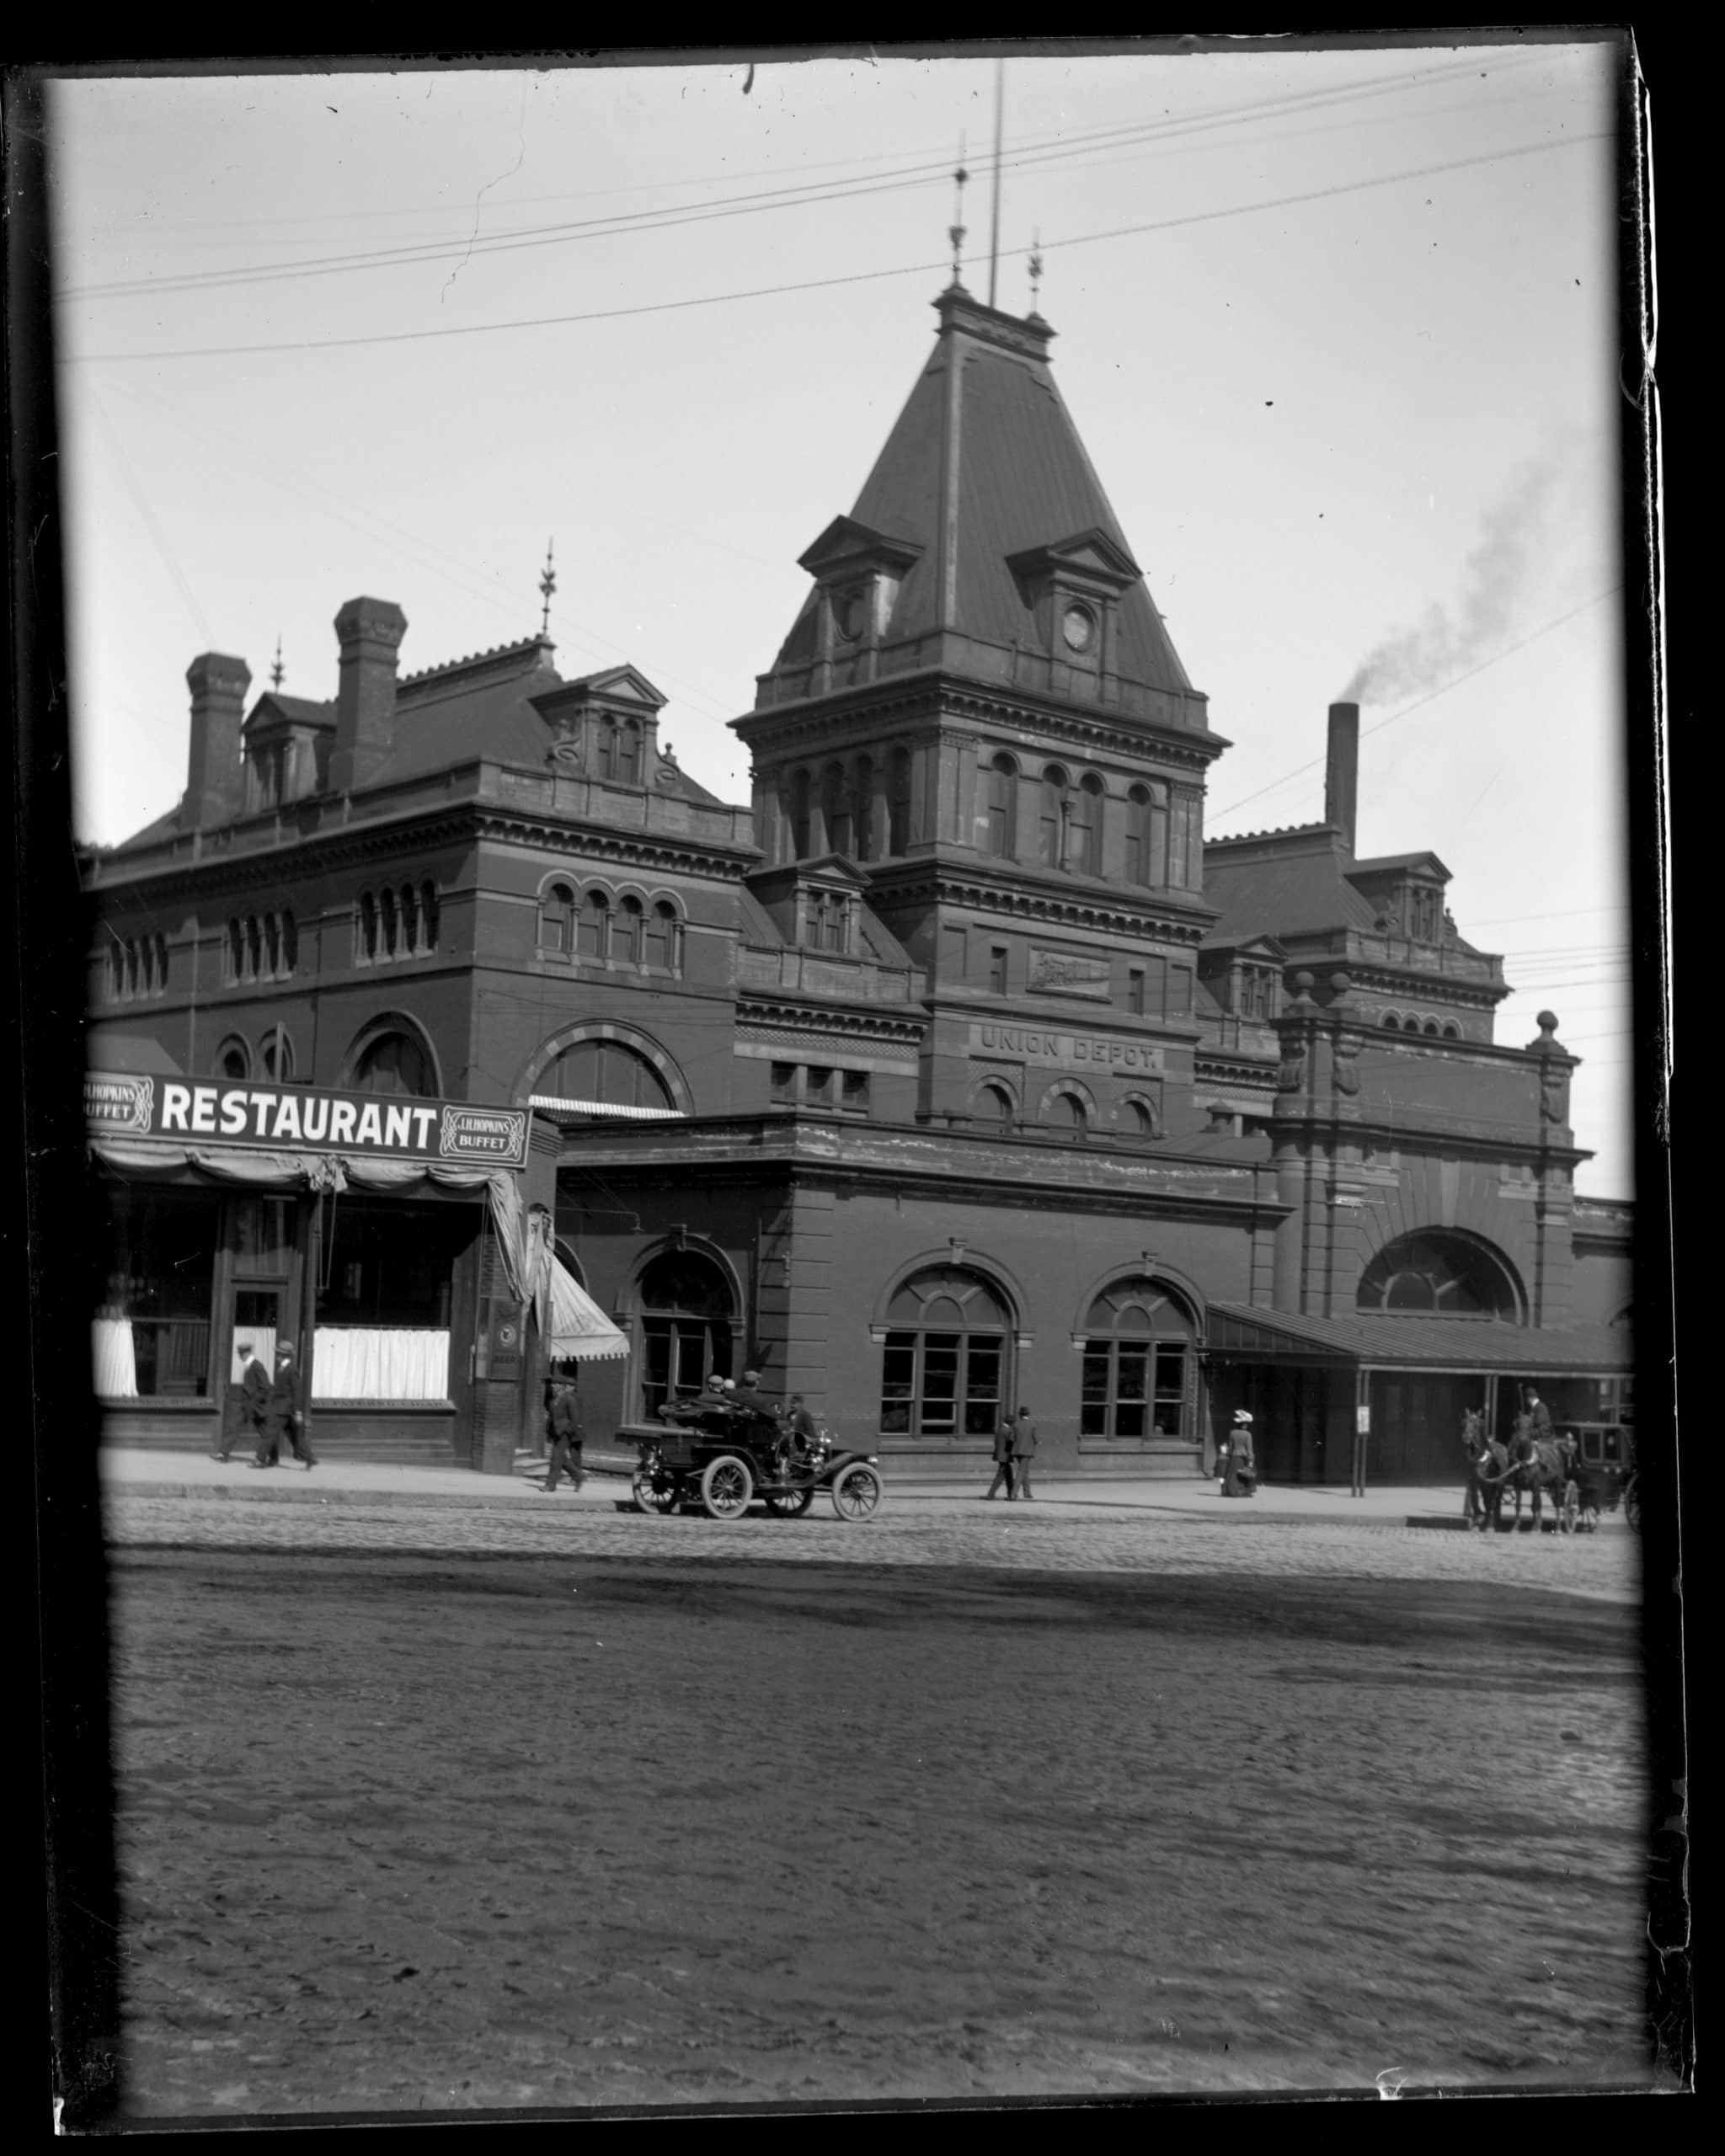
<point>1632,1502</point>
<point>727,1486</point>
<point>791,1504</point>
<point>856,1492</point>
<point>1569,1511</point>
<point>653,1491</point>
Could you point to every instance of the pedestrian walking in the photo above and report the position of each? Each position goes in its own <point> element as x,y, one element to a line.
<point>567,1438</point>
<point>285,1414</point>
<point>254,1403</point>
<point>1239,1478</point>
<point>803,1431</point>
<point>1023,1452</point>
<point>1002,1458</point>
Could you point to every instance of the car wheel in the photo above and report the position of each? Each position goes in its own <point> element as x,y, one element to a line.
<point>727,1486</point>
<point>856,1492</point>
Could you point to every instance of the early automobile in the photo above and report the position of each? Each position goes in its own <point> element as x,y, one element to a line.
<point>722,1453</point>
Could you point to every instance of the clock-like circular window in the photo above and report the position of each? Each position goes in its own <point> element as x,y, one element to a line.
<point>1078,627</point>
<point>849,612</point>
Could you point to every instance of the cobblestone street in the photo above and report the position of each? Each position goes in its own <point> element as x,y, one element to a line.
<point>458,1807</point>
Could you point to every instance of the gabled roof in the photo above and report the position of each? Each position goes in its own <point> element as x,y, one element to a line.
<point>626,682</point>
<point>1385,864</point>
<point>273,708</point>
<point>1297,888</point>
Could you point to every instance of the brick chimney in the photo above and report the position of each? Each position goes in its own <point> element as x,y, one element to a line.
<point>1342,772</point>
<point>214,782</point>
<point>369,632</point>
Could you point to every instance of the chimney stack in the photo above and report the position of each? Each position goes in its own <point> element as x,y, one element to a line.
<point>214,787</point>
<point>369,632</point>
<point>1342,772</point>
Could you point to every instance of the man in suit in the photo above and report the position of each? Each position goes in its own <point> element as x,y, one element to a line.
<point>253,1399</point>
<point>1002,1458</point>
<point>567,1438</point>
<point>1023,1452</point>
<point>284,1412</point>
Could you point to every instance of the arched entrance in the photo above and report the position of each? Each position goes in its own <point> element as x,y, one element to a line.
<point>688,1322</point>
<point>946,1371</point>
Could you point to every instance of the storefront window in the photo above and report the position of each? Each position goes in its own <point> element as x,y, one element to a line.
<point>153,1330</point>
<point>388,1262</point>
<point>945,1368</point>
<point>1136,1360</point>
<point>686,1327</point>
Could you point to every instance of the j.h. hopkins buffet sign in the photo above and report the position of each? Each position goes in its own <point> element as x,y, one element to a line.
<point>1071,1051</point>
<point>302,1118</point>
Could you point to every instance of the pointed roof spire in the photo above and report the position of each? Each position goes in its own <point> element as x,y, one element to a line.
<point>1035,314</point>
<point>955,231</point>
<point>278,672</point>
<point>547,585</point>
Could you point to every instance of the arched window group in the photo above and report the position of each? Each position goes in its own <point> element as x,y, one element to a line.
<point>836,810</point>
<point>1437,1275</point>
<point>1138,1364</point>
<point>603,931</point>
<point>1063,824</point>
<point>946,1365</point>
<point>261,947</point>
<point>137,966</point>
<point>395,922</point>
<point>603,1074</point>
<point>1410,1022</point>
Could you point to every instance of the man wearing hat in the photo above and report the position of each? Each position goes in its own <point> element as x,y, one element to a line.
<point>253,1400</point>
<point>1240,1474</point>
<point>284,1411</point>
<point>567,1436</point>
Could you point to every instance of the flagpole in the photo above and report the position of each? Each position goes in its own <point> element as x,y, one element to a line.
<point>994,235</point>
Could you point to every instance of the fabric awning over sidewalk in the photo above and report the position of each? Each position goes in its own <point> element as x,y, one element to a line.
<point>1242,1333</point>
<point>579,1327</point>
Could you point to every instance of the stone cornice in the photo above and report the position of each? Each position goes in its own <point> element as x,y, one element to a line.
<point>1477,993</point>
<point>821,1017</point>
<point>942,884</point>
<point>608,844</point>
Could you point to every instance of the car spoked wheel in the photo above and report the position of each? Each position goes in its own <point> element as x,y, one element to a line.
<point>727,1486</point>
<point>791,1504</point>
<point>654,1493</point>
<point>856,1492</point>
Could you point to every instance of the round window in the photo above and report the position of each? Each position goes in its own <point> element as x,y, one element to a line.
<point>1078,627</point>
<point>850,610</point>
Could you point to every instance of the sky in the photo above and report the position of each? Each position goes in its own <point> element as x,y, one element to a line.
<point>1339,329</point>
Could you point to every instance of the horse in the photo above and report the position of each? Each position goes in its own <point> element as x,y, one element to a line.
<point>1491,1470</point>
<point>1536,1464</point>
<point>1473,1443</point>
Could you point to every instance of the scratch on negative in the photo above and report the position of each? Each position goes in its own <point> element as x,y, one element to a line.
<point>520,159</point>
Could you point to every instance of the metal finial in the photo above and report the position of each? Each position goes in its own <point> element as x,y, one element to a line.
<point>955,231</point>
<point>1035,268</point>
<point>278,672</point>
<point>547,585</point>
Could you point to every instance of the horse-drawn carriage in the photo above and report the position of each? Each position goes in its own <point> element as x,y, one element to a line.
<point>1581,1483</point>
<point>722,1453</point>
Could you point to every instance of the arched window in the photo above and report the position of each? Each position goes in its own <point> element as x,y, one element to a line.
<point>1138,816</point>
<point>604,742</point>
<point>686,1326</point>
<point>387,926</point>
<point>233,1059</point>
<point>993,1106</point>
<point>272,946</point>
<point>626,932</point>
<point>1137,1119</point>
<point>603,1074</point>
<point>898,802</point>
<point>410,920</point>
<point>1390,1022</point>
<point>1065,1116</point>
<point>799,815</point>
<point>1085,854</point>
<point>255,946</point>
<point>1002,787</point>
<point>395,1063</point>
<point>835,810</point>
<point>1429,1030</point>
<point>664,937</point>
<point>366,930</point>
<point>862,806</point>
<point>628,752</point>
<point>275,1055</point>
<point>1138,1362</point>
<point>1051,818</point>
<point>290,944</point>
<point>429,915</point>
<point>1452,1032</point>
<point>944,1371</point>
<point>593,930</point>
<point>556,920</point>
<point>1437,1275</point>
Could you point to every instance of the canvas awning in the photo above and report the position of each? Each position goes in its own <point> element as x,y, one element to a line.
<point>579,1327</point>
<point>1243,1332</point>
<point>555,1104</point>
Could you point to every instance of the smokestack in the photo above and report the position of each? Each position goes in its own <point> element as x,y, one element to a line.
<point>369,632</point>
<point>214,779</point>
<point>1341,772</point>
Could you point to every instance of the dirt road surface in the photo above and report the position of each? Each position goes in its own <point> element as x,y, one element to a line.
<point>638,1812</point>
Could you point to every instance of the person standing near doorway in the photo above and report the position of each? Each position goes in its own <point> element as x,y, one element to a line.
<point>285,1413</point>
<point>1002,1458</point>
<point>567,1438</point>
<point>253,1402</point>
<point>1023,1452</point>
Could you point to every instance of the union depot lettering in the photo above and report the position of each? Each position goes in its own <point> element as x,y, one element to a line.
<point>1071,1051</point>
<point>301,1117</point>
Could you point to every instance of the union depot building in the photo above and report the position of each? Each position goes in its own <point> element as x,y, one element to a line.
<point>448,1029</point>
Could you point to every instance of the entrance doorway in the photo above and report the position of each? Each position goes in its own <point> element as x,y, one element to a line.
<point>1416,1426</point>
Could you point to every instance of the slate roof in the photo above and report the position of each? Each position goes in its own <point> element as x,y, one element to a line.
<point>299,710</point>
<point>1024,483</point>
<point>1300,887</point>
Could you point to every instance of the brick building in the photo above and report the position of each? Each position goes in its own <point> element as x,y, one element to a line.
<point>957,1071</point>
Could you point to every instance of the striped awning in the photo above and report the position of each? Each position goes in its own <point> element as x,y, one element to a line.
<point>579,1327</point>
<point>559,1106</point>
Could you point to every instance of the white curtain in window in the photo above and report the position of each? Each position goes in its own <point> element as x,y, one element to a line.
<point>113,1362</point>
<point>367,1362</point>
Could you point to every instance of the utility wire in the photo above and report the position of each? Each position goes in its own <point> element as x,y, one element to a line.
<point>824,284</point>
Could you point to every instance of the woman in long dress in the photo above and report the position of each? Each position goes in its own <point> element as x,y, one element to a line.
<point>1237,1481</point>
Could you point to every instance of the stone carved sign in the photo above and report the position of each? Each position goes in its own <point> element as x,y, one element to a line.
<point>1346,1066</point>
<point>1291,1075</point>
<point>1069,1051</point>
<point>1554,1090</point>
<point>1069,972</point>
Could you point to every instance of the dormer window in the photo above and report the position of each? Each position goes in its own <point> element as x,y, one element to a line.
<point>826,918</point>
<point>1078,627</point>
<point>1422,909</point>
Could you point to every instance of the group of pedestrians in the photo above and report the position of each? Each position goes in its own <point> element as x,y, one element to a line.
<point>1014,1448</point>
<point>271,1407</point>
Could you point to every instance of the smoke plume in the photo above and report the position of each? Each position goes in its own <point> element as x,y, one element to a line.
<point>1539,518</point>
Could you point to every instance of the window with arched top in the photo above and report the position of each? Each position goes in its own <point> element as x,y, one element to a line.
<point>275,1055</point>
<point>592,931</point>
<point>687,1327</point>
<point>626,931</point>
<point>290,944</point>
<point>388,926</point>
<point>1137,1119</point>
<point>1390,1022</point>
<point>1085,837</point>
<point>605,746</point>
<point>233,1059</point>
<point>272,946</point>
<point>556,920</point>
<point>946,1364</point>
<point>1051,817</point>
<point>395,1063</point>
<point>409,903</point>
<point>993,1106</point>
<point>366,929</point>
<point>1065,1116</point>
<point>835,811</point>
<point>1429,1030</point>
<point>1435,1274</point>
<point>430,916</point>
<point>664,937</point>
<point>628,752</point>
<point>898,802</point>
<point>1002,786</point>
<point>862,806</point>
<point>800,788</point>
<point>1139,1364</point>
<point>603,1074</point>
<point>1452,1032</point>
<point>254,947</point>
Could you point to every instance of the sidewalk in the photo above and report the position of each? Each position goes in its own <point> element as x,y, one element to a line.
<point>156,1474</point>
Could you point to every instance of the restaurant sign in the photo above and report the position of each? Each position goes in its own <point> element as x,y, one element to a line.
<point>302,1118</point>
